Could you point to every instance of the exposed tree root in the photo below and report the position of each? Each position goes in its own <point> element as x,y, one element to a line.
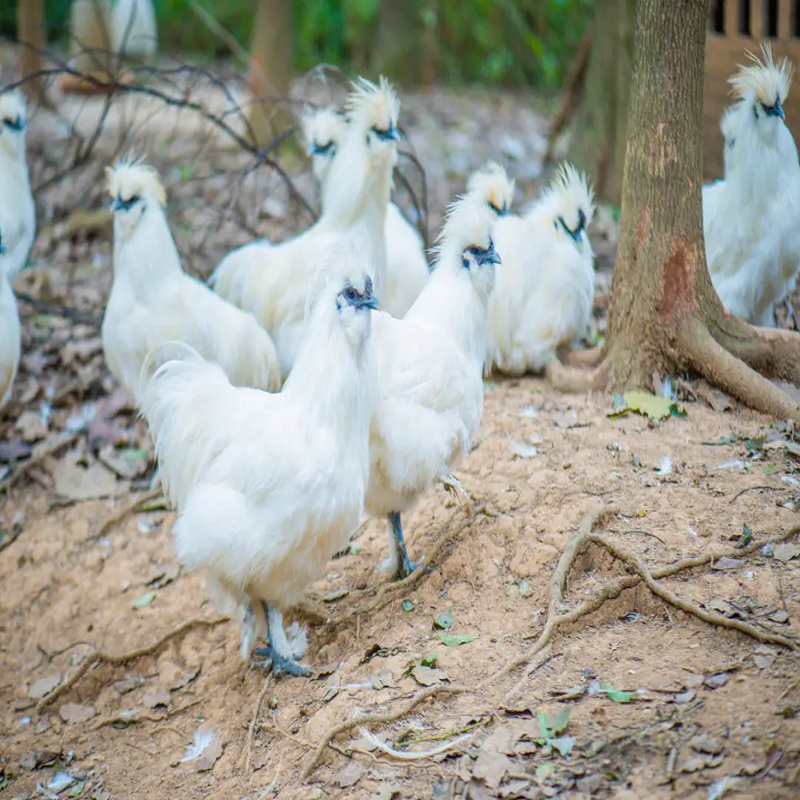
<point>574,380</point>
<point>451,534</point>
<point>579,357</point>
<point>380,719</point>
<point>611,589</point>
<point>101,657</point>
<point>705,355</point>
<point>773,352</point>
<point>251,731</point>
<point>132,508</point>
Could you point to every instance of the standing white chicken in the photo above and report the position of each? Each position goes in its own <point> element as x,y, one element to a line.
<point>430,391</point>
<point>10,332</point>
<point>751,218</point>
<point>269,486</point>
<point>152,300</point>
<point>545,283</point>
<point>17,209</point>
<point>273,282</point>
<point>407,269</point>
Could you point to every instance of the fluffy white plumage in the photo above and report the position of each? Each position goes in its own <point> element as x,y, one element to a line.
<point>10,340</point>
<point>429,374</point>
<point>752,217</point>
<point>273,281</point>
<point>133,27</point>
<point>493,184</point>
<point>545,283</point>
<point>407,269</point>
<point>152,300</point>
<point>17,210</point>
<point>269,486</point>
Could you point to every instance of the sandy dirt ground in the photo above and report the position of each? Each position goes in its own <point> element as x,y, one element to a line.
<point>118,679</point>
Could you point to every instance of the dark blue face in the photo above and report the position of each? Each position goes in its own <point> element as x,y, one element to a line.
<point>15,124</point>
<point>318,149</point>
<point>573,233</point>
<point>125,205</point>
<point>482,256</point>
<point>390,134</point>
<point>775,110</point>
<point>501,212</point>
<point>360,301</point>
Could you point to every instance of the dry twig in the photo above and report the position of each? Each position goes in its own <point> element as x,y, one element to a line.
<point>102,657</point>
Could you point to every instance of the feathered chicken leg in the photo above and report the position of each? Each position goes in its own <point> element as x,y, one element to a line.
<point>280,654</point>
<point>398,563</point>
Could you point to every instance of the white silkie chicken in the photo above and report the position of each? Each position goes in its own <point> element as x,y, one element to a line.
<point>430,390</point>
<point>751,218</point>
<point>545,283</point>
<point>17,210</point>
<point>269,486</point>
<point>493,184</point>
<point>273,282</point>
<point>407,268</point>
<point>152,300</point>
<point>133,27</point>
<point>10,332</point>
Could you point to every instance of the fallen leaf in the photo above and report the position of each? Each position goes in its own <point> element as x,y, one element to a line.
<point>563,744</point>
<point>544,771</point>
<point>770,469</point>
<point>694,680</point>
<point>763,661</point>
<point>694,764</point>
<point>702,743</point>
<point>125,462</point>
<point>445,620</point>
<point>491,767</point>
<point>126,685</point>
<point>717,400</point>
<point>408,605</point>
<point>77,484</point>
<point>552,725</point>
<point>31,426</point>
<point>61,781</point>
<point>337,594</point>
<point>36,759</point>
<point>721,441</point>
<point>717,681</point>
<point>650,405</point>
<point>455,639</point>
<point>382,679</point>
<point>617,695</point>
<point>726,562</point>
<point>781,616</point>
<point>158,696</point>
<point>426,676</point>
<point>185,679</point>
<point>144,600</point>
<point>44,686</point>
<point>786,551</point>
<point>685,697</point>
<point>523,449</point>
<point>76,712</point>
<point>348,775</point>
<point>13,450</point>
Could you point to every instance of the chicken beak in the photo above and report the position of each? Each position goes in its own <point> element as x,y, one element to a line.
<point>393,134</point>
<point>491,256</point>
<point>368,301</point>
<point>776,110</point>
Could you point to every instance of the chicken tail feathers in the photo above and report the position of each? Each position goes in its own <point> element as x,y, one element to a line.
<point>236,276</point>
<point>181,393</point>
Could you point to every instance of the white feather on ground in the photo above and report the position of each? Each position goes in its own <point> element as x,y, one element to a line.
<point>430,390</point>
<point>273,281</point>
<point>751,218</point>
<point>269,486</point>
<point>17,209</point>
<point>407,269</point>
<point>545,281</point>
<point>152,300</point>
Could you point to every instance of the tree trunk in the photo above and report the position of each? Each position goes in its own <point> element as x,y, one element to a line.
<point>31,32</point>
<point>665,314</point>
<point>271,67</point>
<point>399,35</point>
<point>598,144</point>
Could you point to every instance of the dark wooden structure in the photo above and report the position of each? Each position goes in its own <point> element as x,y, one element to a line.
<point>735,26</point>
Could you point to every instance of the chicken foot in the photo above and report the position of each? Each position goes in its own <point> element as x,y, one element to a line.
<point>280,654</point>
<point>398,562</point>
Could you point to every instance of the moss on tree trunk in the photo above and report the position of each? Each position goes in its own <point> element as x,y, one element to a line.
<point>665,314</point>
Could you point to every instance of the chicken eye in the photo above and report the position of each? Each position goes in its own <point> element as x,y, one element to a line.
<point>351,294</point>
<point>322,149</point>
<point>15,124</point>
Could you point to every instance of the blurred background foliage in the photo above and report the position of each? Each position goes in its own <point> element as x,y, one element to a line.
<point>513,43</point>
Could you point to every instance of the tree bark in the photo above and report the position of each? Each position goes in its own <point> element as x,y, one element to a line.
<point>271,67</point>
<point>664,313</point>
<point>598,144</point>
<point>31,31</point>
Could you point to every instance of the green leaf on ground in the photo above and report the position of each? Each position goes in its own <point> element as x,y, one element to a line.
<point>455,639</point>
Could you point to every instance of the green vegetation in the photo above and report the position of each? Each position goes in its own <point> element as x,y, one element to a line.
<point>517,43</point>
